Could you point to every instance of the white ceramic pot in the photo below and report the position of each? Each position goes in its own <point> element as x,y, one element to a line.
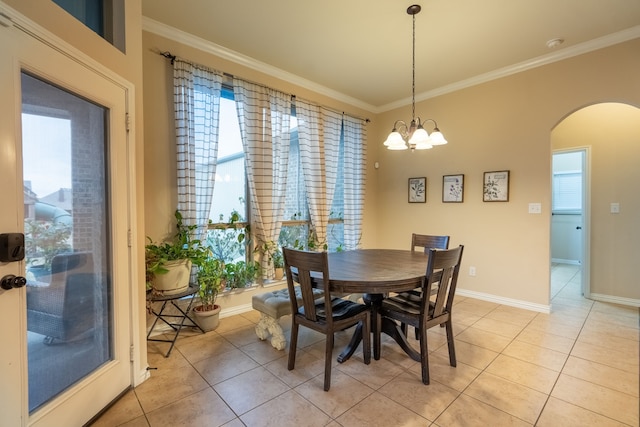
<point>176,280</point>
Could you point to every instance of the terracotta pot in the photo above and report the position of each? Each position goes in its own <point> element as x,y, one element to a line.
<point>207,320</point>
<point>279,273</point>
<point>176,280</point>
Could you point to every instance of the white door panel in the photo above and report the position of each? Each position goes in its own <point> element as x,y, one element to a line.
<point>77,403</point>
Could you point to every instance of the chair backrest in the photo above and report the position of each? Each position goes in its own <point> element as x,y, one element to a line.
<point>68,264</point>
<point>308,268</point>
<point>443,268</point>
<point>428,242</point>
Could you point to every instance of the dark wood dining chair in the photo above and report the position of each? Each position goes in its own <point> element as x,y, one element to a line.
<point>426,242</point>
<point>443,268</point>
<point>326,315</point>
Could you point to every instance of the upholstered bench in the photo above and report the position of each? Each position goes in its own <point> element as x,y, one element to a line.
<point>272,306</point>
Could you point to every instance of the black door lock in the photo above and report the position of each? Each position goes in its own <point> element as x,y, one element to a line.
<point>11,247</point>
<point>10,281</point>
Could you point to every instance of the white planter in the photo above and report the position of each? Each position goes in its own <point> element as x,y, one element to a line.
<point>176,280</point>
<point>207,320</point>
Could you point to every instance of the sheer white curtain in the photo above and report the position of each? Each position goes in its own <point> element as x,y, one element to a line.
<point>355,157</point>
<point>264,115</point>
<point>197,91</point>
<point>319,138</point>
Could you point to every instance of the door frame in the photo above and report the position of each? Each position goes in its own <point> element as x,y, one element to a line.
<point>586,215</point>
<point>137,350</point>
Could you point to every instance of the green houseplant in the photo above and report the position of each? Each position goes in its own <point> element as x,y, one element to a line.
<point>168,264</point>
<point>211,281</point>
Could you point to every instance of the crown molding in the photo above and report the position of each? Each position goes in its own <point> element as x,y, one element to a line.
<point>180,36</point>
<point>188,39</point>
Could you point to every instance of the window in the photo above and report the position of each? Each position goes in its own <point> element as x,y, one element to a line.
<point>567,191</point>
<point>229,208</point>
<point>104,17</point>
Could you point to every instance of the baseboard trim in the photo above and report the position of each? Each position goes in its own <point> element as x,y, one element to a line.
<point>236,309</point>
<point>615,300</point>
<point>541,308</point>
<point>565,261</point>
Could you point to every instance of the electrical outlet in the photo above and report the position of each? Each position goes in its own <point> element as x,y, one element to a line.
<point>535,208</point>
<point>615,208</point>
<point>472,271</point>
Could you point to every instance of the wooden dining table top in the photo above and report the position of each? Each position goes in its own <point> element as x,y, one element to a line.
<point>376,271</point>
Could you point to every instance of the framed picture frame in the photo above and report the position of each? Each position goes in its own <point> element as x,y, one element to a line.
<point>496,186</point>
<point>453,188</point>
<point>418,190</point>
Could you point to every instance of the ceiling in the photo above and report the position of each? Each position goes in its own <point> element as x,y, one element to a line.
<point>359,51</point>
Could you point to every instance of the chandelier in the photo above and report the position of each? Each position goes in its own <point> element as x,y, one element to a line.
<point>414,136</point>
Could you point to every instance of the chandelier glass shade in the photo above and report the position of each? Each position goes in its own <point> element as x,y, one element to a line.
<point>414,135</point>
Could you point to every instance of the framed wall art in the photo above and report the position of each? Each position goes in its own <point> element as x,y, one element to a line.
<point>453,188</point>
<point>496,186</point>
<point>418,190</point>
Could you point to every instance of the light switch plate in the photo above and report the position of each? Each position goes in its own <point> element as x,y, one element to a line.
<point>615,208</point>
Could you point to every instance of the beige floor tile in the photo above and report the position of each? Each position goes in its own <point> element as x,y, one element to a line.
<point>613,330</point>
<point>232,322</point>
<point>287,410</point>
<point>512,398</point>
<point>181,382</point>
<point>583,303</point>
<point>204,346</point>
<point>126,409</point>
<point>482,338</point>
<point>606,356</point>
<point>241,336</point>
<point>616,319</point>
<point>622,345</point>
<point>602,375</point>
<point>540,356</point>
<point>380,411</point>
<point>253,316</point>
<point>466,411</point>
<point>557,325</point>
<point>475,307</point>
<point>224,366</point>
<point>559,413</point>
<point>429,401</point>
<point>263,352</point>
<point>541,338</point>
<point>524,373</point>
<point>505,329</point>
<point>512,315</point>
<point>604,401</point>
<point>345,393</point>
<point>470,354</point>
<point>250,389</point>
<point>616,309</point>
<point>458,377</point>
<point>198,409</point>
<point>374,375</point>
<point>306,366</point>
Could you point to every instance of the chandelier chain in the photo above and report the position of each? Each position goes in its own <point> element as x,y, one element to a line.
<point>413,72</point>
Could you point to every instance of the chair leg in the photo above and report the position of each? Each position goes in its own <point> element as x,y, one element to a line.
<point>366,340</point>
<point>327,361</point>
<point>293,343</point>
<point>451,344</point>
<point>424,356</point>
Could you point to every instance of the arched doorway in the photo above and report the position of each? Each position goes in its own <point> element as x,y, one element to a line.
<point>611,134</point>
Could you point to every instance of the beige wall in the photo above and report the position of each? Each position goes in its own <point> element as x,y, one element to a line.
<point>612,133</point>
<point>504,124</point>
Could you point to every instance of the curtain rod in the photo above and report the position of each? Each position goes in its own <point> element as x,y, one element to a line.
<point>173,58</point>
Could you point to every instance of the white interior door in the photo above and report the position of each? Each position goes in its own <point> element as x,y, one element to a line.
<point>63,174</point>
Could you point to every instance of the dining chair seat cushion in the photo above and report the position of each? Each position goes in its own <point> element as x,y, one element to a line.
<point>340,308</point>
<point>406,302</point>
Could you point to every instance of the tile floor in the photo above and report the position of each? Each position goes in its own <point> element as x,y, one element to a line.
<point>577,366</point>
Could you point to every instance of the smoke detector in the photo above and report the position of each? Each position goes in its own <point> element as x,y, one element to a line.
<point>553,43</point>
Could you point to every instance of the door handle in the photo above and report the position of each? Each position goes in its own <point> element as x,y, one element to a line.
<point>578,228</point>
<point>10,281</point>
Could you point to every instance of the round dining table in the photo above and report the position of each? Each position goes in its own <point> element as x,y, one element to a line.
<point>375,273</point>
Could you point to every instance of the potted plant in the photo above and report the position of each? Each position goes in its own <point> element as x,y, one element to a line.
<point>211,280</point>
<point>168,264</point>
<point>241,273</point>
<point>278,264</point>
